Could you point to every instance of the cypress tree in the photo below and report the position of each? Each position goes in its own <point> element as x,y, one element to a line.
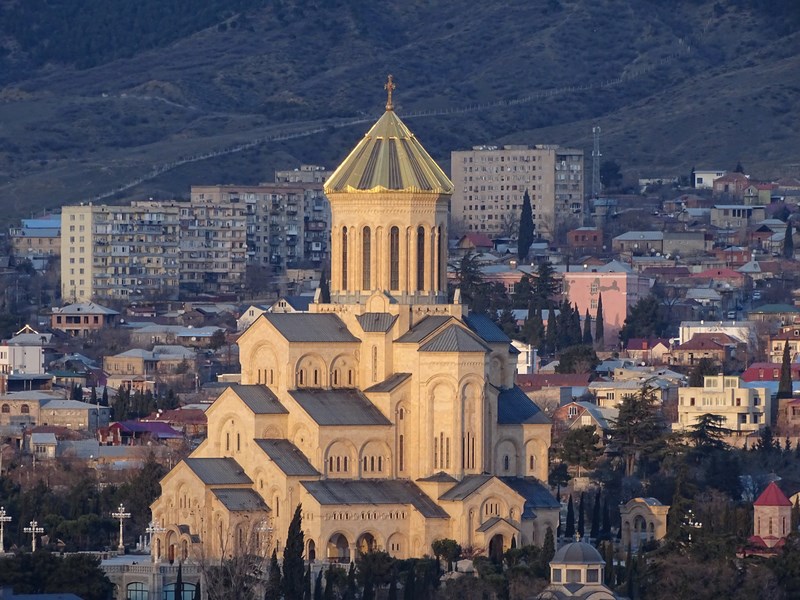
<point>599,333</point>
<point>351,582</point>
<point>569,531</point>
<point>293,572</point>
<point>788,242</point>
<point>629,573</point>
<point>393,586</point>
<point>785,383</point>
<point>551,336</point>
<point>104,397</point>
<point>548,552</point>
<point>409,591</point>
<point>94,395</point>
<point>324,287</point>
<point>575,330</point>
<point>525,238</point>
<point>318,585</point>
<point>329,575</point>
<point>606,531</point>
<point>595,531</point>
<point>611,580</point>
<point>307,584</point>
<point>587,329</point>
<point>273,591</point>
<point>581,517</point>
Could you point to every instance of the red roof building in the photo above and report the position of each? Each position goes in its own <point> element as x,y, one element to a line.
<point>772,522</point>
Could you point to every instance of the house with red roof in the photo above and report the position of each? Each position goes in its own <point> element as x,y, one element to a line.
<point>721,276</point>
<point>731,185</point>
<point>475,243</point>
<point>772,523</point>
<point>719,347</point>
<point>650,351</point>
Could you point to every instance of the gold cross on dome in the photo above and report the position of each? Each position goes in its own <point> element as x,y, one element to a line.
<point>389,87</point>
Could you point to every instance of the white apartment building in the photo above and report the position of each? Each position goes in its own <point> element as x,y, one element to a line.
<point>490,182</point>
<point>744,409</point>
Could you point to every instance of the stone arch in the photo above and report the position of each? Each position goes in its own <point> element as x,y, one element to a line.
<point>472,398</point>
<point>137,590</point>
<point>311,550</point>
<point>397,545</point>
<point>367,542</point>
<point>344,372</point>
<point>375,459</point>
<point>271,432</point>
<point>493,506</point>
<point>442,395</point>
<point>496,545</point>
<point>535,458</point>
<point>311,372</point>
<point>497,370</point>
<point>340,457</point>
<point>338,548</point>
<point>230,435</point>
<point>507,457</point>
<point>263,365</point>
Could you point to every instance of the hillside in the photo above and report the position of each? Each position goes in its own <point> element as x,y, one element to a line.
<point>140,96</point>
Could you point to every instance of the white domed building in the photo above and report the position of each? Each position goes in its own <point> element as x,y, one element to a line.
<point>577,571</point>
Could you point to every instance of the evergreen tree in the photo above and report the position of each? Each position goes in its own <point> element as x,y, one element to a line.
<point>599,332</point>
<point>324,287</point>
<point>739,168</point>
<point>581,516</point>
<point>611,580</point>
<point>569,531</point>
<point>638,430</point>
<point>548,552</point>
<point>330,576</point>
<point>795,515</point>
<point>94,395</point>
<point>587,329</point>
<point>307,583</point>
<point>104,397</point>
<point>525,238</point>
<point>594,533</point>
<point>351,582</point>
<point>546,285</point>
<point>575,330</point>
<point>318,585</point>
<point>788,242</point>
<point>273,591</point>
<point>393,586</point>
<point>606,530</point>
<point>785,383</point>
<point>409,590</point>
<point>293,572</point>
<point>705,366</point>
<point>645,319</point>
<point>551,335</point>
<point>533,330</point>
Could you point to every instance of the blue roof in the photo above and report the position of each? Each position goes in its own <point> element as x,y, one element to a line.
<point>486,329</point>
<point>535,493</point>
<point>515,408</point>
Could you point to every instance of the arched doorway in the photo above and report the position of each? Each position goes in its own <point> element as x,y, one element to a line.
<point>366,543</point>
<point>639,531</point>
<point>338,549</point>
<point>496,548</point>
<point>311,552</point>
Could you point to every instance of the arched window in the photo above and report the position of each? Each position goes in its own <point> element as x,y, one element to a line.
<point>6,408</point>
<point>532,462</point>
<point>366,255</point>
<point>505,462</point>
<point>394,258</point>
<point>187,591</point>
<point>420,258</point>
<point>137,591</point>
<point>401,454</point>
<point>344,258</point>
<point>25,409</point>
<point>374,363</point>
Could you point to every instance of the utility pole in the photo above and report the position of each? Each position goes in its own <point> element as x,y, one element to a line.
<point>596,185</point>
<point>33,530</point>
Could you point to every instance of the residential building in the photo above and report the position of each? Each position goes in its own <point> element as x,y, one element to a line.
<point>27,352</point>
<point>489,183</point>
<point>732,185</point>
<point>736,216</point>
<point>144,370</point>
<point>717,347</point>
<point>584,414</point>
<point>619,287</point>
<point>704,178</point>
<point>389,414</point>
<point>743,409</point>
<point>610,394</point>
<point>82,319</point>
<point>788,336</point>
<point>122,252</point>
<point>187,336</point>
<point>585,239</point>
<point>37,238</point>
<point>649,351</point>
<point>29,409</point>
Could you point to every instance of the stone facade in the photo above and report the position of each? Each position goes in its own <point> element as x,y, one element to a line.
<point>643,520</point>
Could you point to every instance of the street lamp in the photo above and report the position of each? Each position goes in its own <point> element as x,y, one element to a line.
<point>121,515</point>
<point>154,529</point>
<point>4,518</point>
<point>33,529</point>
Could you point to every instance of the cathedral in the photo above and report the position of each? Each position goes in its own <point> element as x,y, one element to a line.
<point>389,413</point>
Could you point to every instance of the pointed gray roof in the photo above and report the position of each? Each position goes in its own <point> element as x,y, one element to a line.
<point>376,322</point>
<point>310,327</point>
<point>515,408</point>
<point>339,407</point>
<point>287,457</point>
<point>423,329</point>
<point>388,384</point>
<point>454,338</point>
<point>486,328</point>
<point>237,499</point>
<point>259,399</point>
<point>217,471</point>
<point>374,492</point>
<point>466,487</point>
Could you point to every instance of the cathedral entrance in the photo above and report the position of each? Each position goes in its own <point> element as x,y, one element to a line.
<point>366,543</point>
<point>338,549</point>
<point>496,548</point>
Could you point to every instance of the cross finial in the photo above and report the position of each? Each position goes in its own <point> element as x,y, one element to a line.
<point>389,87</point>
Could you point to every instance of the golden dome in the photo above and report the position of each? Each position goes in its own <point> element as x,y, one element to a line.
<point>389,159</point>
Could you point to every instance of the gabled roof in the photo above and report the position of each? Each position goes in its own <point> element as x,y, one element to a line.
<point>439,477</point>
<point>339,407</point>
<point>217,471</point>
<point>156,429</point>
<point>376,322</point>
<point>388,384</point>
<point>535,493</point>
<point>373,492</point>
<point>287,457</point>
<point>486,526</point>
<point>515,408</point>
<point>708,341</point>
<point>454,338</point>
<point>486,328</point>
<point>84,308</point>
<point>299,303</point>
<point>423,329</point>
<point>539,381</point>
<point>259,399</point>
<point>466,487</point>
<point>477,240</point>
<point>645,343</point>
<point>772,496</point>
<point>238,500</point>
<point>389,158</point>
<point>310,327</point>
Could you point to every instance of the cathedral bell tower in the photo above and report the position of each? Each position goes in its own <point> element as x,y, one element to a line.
<point>389,203</point>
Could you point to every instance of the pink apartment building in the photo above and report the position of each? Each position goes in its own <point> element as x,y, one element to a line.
<point>619,286</point>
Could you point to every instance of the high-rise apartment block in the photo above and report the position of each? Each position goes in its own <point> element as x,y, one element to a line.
<point>490,182</point>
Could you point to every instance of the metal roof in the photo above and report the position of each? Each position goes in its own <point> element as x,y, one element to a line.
<point>339,407</point>
<point>454,338</point>
<point>310,327</point>
<point>376,322</point>
<point>259,399</point>
<point>388,384</point>
<point>465,487</point>
<point>515,408</point>
<point>535,493</point>
<point>374,492</point>
<point>423,329</point>
<point>486,328</point>
<point>389,158</point>
<point>237,499</point>
<point>287,457</point>
<point>217,471</point>
<point>493,521</point>
<point>440,477</point>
